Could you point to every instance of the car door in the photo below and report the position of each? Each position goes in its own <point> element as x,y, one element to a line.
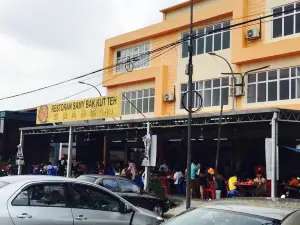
<point>95,206</point>
<point>131,192</point>
<point>41,203</point>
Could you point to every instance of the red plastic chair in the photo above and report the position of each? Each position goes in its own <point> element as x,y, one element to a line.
<point>211,190</point>
<point>164,184</point>
<point>268,192</point>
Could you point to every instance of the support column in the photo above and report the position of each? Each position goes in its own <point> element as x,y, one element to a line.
<point>104,151</point>
<point>147,168</point>
<point>70,148</point>
<point>274,138</point>
<point>125,152</point>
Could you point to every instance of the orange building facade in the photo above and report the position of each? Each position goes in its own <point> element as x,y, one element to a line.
<point>273,41</point>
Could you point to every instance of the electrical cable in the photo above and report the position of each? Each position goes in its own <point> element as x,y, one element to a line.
<point>155,50</point>
<point>149,59</point>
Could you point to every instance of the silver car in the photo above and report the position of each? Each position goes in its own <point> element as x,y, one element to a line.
<point>52,200</point>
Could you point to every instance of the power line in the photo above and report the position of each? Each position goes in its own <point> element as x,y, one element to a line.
<point>141,56</point>
<point>80,92</point>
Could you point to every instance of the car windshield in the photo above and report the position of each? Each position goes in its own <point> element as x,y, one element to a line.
<point>203,216</point>
<point>3,183</point>
<point>87,178</point>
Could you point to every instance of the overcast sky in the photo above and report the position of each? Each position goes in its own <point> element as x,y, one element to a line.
<point>46,41</point>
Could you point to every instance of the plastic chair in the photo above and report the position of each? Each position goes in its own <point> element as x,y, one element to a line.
<point>164,184</point>
<point>211,190</point>
<point>268,191</point>
<point>180,185</point>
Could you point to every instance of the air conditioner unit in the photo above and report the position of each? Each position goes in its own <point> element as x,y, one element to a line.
<point>169,97</point>
<point>253,33</point>
<point>238,91</point>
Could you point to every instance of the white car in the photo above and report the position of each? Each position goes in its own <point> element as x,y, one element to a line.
<point>54,200</point>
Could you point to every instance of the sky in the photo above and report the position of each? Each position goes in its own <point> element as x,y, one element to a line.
<point>43,42</point>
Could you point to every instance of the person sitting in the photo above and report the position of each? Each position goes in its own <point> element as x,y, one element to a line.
<point>178,179</point>
<point>109,171</point>
<point>233,192</point>
<point>261,184</point>
<point>294,182</point>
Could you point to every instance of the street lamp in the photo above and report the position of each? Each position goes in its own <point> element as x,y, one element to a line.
<point>232,78</point>
<point>81,82</point>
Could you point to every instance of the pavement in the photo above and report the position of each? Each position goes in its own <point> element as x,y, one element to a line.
<point>179,205</point>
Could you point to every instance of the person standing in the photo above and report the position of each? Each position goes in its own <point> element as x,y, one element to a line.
<point>178,178</point>
<point>62,165</point>
<point>132,169</point>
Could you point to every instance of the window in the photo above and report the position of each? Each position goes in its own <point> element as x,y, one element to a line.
<point>274,85</point>
<point>287,20</point>
<point>110,184</point>
<point>210,42</point>
<point>213,92</point>
<point>202,216</point>
<point>86,197</point>
<point>143,100</point>
<point>128,187</point>
<point>125,55</point>
<point>49,195</point>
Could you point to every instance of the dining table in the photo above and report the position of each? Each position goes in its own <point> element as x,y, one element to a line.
<point>246,188</point>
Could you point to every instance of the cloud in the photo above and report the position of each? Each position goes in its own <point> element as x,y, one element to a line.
<point>43,42</point>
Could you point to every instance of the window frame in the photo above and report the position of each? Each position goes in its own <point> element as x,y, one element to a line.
<point>277,81</point>
<point>200,87</point>
<point>129,53</point>
<point>203,30</point>
<point>136,99</point>
<point>282,18</point>
<point>26,187</point>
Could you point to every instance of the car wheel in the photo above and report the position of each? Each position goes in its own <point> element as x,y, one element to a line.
<point>158,210</point>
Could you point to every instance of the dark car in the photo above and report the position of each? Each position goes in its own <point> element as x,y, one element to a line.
<point>130,191</point>
<point>241,211</point>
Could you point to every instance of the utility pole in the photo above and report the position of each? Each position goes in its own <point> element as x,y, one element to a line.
<point>190,107</point>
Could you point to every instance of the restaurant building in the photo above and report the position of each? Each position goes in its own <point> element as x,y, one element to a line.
<point>156,84</point>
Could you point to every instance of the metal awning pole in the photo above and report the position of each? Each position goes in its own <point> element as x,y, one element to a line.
<point>274,150</point>
<point>70,148</point>
<point>147,168</point>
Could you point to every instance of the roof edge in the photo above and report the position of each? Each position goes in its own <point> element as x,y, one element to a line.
<point>178,6</point>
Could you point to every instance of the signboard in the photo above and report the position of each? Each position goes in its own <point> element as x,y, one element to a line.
<point>19,156</point>
<point>86,109</point>
<point>147,143</point>
<point>269,169</point>
<point>153,150</point>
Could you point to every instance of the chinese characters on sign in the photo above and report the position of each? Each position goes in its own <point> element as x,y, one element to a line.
<point>87,109</point>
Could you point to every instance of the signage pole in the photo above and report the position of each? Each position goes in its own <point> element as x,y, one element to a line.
<point>70,148</point>
<point>147,169</point>
<point>21,149</point>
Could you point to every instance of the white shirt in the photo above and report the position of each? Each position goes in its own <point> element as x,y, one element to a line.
<point>177,176</point>
<point>165,167</point>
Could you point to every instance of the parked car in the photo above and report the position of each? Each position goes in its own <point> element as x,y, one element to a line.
<point>130,191</point>
<point>241,211</point>
<point>53,200</point>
